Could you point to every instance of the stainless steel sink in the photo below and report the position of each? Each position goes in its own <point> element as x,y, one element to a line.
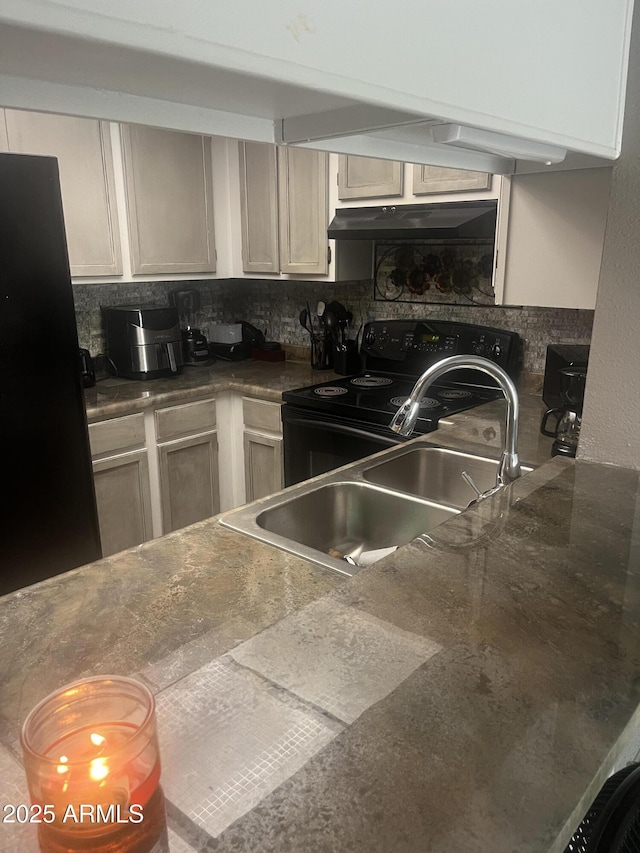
<point>352,518</point>
<point>435,473</point>
<point>338,520</point>
<point>378,503</point>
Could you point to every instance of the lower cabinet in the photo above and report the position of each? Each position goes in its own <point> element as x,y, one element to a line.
<point>189,480</point>
<point>123,497</point>
<point>188,463</point>
<point>158,471</point>
<point>263,458</point>
<point>122,482</point>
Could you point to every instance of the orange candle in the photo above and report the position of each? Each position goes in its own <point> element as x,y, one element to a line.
<point>93,767</point>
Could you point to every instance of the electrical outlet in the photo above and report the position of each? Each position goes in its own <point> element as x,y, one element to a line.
<point>204,330</point>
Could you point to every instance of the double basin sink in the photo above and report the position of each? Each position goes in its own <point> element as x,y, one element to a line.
<point>350,518</point>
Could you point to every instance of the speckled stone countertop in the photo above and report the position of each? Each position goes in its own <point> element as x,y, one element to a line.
<point>470,692</point>
<point>114,396</point>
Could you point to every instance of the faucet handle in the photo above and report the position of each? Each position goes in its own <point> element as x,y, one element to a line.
<point>480,496</point>
<point>469,480</point>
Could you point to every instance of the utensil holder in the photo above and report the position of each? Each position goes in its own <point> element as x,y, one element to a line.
<point>346,358</point>
<point>321,353</point>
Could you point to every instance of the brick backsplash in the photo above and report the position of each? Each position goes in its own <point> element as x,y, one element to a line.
<point>274,306</point>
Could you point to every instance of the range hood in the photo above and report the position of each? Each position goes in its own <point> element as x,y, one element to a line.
<point>469,220</point>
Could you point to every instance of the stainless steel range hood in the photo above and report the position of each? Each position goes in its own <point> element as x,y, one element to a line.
<point>447,221</point>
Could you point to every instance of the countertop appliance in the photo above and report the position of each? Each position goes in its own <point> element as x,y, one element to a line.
<point>343,420</point>
<point>560,356</point>
<point>230,352</point>
<point>87,370</point>
<point>143,341</point>
<point>195,348</point>
<point>48,522</point>
<point>568,415</point>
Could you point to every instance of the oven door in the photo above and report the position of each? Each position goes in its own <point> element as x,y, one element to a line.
<point>315,443</point>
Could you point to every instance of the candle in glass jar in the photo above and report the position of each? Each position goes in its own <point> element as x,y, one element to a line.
<point>93,766</point>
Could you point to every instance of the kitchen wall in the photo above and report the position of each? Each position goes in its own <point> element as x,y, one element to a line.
<point>275,306</point>
<point>610,431</point>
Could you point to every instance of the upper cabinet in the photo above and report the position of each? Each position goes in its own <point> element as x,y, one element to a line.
<point>428,180</point>
<point>304,215</point>
<point>83,149</point>
<point>259,206</point>
<point>284,207</point>
<point>169,201</point>
<point>368,177</point>
<point>463,85</point>
<point>554,228</point>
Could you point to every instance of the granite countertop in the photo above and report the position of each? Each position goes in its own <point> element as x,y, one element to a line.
<point>114,396</point>
<point>467,693</point>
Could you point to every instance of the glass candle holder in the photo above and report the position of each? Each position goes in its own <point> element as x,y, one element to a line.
<point>92,762</point>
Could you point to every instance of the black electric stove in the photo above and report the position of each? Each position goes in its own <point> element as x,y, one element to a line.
<point>345,419</point>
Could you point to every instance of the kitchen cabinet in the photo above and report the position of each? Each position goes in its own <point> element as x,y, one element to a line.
<point>369,177</point>
<point>168,186</point>
<point>284,209</point>
<point>188,463</point>
<point>433,179</point>
<point>263,456</point>
<point>259,207</point>
<point>122,482</point>
<point>83,149</point>
<point>553,230</point>
<point>275,73</point>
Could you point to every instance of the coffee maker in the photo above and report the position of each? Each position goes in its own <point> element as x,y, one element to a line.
<point>568,415</point>
<point>195,347</point>
<point>143,341</point>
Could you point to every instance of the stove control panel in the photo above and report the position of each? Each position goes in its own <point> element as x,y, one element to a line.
<point>392,340</point>
<point>413,345</point>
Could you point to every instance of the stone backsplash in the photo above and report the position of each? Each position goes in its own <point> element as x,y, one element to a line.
<point>274,306</point>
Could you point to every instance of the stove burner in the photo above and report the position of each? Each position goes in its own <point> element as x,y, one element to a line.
<point>425,403</point>
<point>330,391</point>
<point>371,381</point>
<point>454,394</point>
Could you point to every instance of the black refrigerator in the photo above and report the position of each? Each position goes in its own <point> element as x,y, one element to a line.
<point>48,520</point>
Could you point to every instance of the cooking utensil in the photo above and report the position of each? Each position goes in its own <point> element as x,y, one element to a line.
<point>330,322</point>
<point>305,320</point>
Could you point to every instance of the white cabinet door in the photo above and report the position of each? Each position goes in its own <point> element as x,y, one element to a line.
<point>263,457</point>
<point>123,498</point>
<point>189,480</point>
<point>122,482</point>
<point>433,179</point>
<point>302,196</point>
<point>263,465</point>
<point>259,207</point>
<point>284,209</point>
<point>369,177</point>
<point>169,200</point>
<point>188,460</point>
<point>83,149</point>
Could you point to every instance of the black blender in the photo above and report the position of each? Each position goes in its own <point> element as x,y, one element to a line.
<point>569,415</point>
<point>195,348</point>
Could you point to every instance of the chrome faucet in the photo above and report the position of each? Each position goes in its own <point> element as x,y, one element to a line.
<point>405,418</point>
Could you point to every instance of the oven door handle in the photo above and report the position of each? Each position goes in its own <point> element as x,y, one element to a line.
<point>344,429</point>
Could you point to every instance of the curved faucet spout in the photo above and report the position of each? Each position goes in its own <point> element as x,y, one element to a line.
<point>405,418</point>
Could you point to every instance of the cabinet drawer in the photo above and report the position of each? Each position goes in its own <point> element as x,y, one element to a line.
<point>116,434</point>
<point>261,415</point>
<point>187,418</point>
